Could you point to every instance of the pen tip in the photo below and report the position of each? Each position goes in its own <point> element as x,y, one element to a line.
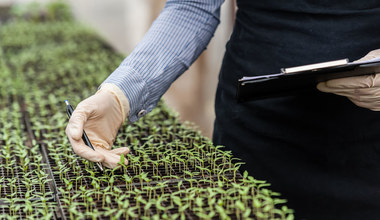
<point>67,102</point>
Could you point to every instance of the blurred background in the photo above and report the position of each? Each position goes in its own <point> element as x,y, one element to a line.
<point>123,23</point>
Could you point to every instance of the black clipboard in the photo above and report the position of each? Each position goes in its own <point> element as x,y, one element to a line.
<point>297,79</point>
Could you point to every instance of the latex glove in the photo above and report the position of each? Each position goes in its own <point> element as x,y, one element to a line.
<point>364,91</point>
<point>101,116</point>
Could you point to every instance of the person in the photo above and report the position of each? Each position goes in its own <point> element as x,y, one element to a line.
<point>321,150</point>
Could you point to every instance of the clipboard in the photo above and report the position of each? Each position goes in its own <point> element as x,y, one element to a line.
<point>300,78</point>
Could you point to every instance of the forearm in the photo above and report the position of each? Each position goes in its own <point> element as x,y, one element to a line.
<point>172,44</point>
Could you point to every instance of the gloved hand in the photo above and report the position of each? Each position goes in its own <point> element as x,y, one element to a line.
<point>101,116</point>
<point>364,91</point>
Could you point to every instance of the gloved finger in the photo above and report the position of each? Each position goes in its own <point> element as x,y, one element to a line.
<point>368,93</point>
<point>111,163</point>
<point>374,106</point>
<point>120,151</point>
<point>323,87</point>
<point>362,95</point>
<point>111,159</point>
<point>85,151</point>
<point>371,55</point>
<point>338,91</point>
<point>77,121</point>
<point>356,93</point>
<point>366,81</point>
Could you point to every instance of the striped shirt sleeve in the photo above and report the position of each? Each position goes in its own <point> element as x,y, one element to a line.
<point>174,41</point>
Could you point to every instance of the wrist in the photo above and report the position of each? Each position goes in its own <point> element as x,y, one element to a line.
<point>119,95</point>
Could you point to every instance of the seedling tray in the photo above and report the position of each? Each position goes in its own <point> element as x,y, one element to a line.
<point>24,185</point>
<point>102,203</point>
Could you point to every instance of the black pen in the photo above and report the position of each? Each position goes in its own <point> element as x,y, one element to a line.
<point>70,110</point>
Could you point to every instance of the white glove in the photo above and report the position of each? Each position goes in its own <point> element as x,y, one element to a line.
<point>101,116</point>
<point>364,91</point>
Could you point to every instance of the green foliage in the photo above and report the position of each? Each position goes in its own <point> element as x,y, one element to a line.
<point>36,12</point>
<point>58,11</point>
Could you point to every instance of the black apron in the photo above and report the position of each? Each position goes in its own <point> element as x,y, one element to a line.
<point>319,150</point>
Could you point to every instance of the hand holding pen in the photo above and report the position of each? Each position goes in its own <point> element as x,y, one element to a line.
<point>101,117</point>
<point>70,110</point>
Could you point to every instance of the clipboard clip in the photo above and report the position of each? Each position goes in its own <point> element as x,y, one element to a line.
<point>315,66</point>
<point>297,69</point>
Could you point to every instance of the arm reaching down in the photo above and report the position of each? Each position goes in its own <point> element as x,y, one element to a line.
<point>175,40</point>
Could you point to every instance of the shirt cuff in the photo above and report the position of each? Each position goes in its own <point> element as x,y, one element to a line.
<point>134,88</point>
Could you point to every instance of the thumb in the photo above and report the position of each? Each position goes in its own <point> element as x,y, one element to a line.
<point>77,120</point>
<point>121,150</point>
<point>371,55</point>
<point>322,87</point>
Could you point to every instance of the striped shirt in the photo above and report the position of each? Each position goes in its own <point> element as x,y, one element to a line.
<point>174,41</point>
